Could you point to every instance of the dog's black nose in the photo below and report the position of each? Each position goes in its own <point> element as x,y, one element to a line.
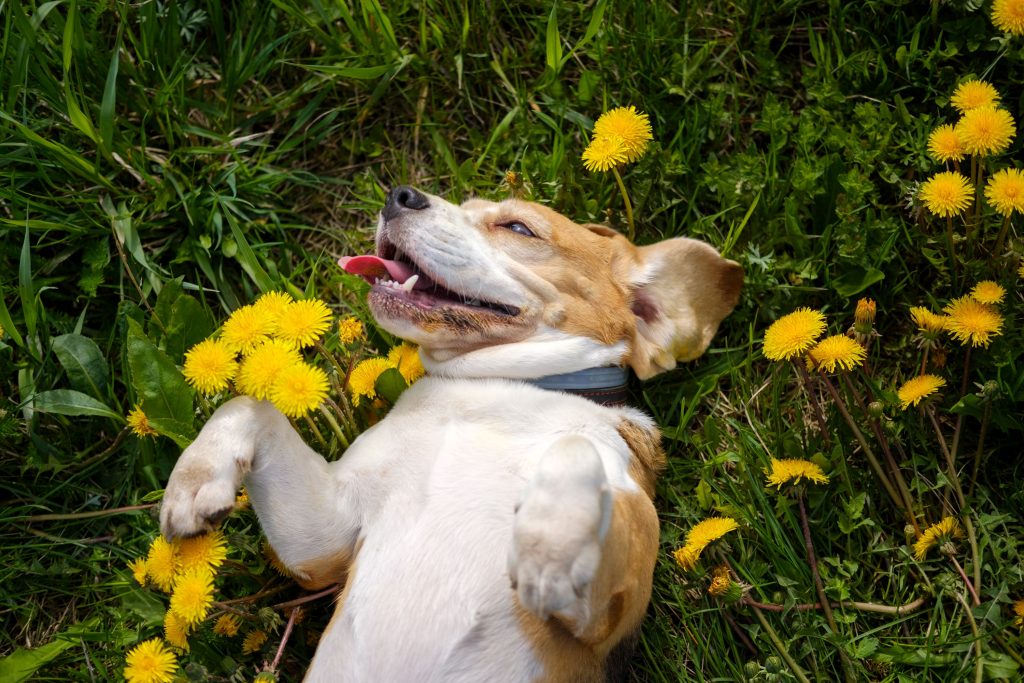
<point>401,198</point>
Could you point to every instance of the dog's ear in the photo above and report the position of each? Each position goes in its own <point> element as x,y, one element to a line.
<point>681,290</point>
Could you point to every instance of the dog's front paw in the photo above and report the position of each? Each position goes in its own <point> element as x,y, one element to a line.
<point>201,490</point>
<point>560,525</point>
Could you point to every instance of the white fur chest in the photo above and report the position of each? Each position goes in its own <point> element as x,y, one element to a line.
<point>442,475</point>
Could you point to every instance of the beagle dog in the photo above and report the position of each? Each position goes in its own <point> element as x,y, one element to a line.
<point>488,529</point>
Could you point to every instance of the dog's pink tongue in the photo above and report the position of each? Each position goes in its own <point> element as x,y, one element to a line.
<point>369,267</point>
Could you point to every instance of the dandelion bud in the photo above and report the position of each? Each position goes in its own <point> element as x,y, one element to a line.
<point>265,677</point>
<point>990,389</point>
<point>909,533</point>
<point>864,316</point>
<point>751,669</point>
<point>773,665</point>
<point>948,548</point>
<point>876,409</point>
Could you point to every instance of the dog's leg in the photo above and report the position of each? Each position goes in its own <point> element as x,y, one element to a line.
<point>309,516</point>
<point>582,553</point>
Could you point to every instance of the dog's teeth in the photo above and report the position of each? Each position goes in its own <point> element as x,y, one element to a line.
<point>410,283</point>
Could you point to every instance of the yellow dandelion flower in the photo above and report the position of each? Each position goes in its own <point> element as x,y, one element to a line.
<point>946,194</point>
<point>627,124</point>
<point>922,386</point>
<point>139,423</point>
<point>986,130</point>
<point>1020,270</point>
<point>944,144</point>
<point>792,334</point>
<point>988,292</point>
<point>363,378</point>
<point>406,358</point>
<point>1018,609</point>
<point>209,366</point>
<point>140,569</point>
<point>208,551</point>
<point>1005,191</point>
<point>247,328</point>
<point>700,536</point>
<point>972,94</point>
<point>162,563</point>
<point>150,662</point>
<point>260,369</point>
<point>604,153</point>
<point>299,388</point>
<point>227,625</point>
<point>253,641</point>
<point>176,630</point>
<point>302,323</point>
<point>972,321</point>
<point>350,329</point>
<point>945,530</point>
<point>1,331</point>
<point>837,351</point>
<point>927,321</point>
<point>273,304</point>
<point>242,500</point>
<point>793,470</point>
<point>1008,15</point>
<point>193,594</point>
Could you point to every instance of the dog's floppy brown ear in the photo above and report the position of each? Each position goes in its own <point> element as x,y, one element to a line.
<point>682,289</point>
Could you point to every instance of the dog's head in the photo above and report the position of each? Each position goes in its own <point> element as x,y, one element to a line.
<point>514,289</point>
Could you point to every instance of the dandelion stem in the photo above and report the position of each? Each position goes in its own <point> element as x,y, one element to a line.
<point>812,561</point>
<point>977,197</point>
<point>1003,230</point>
<point>967,581</point>
<point>949,245</point>
<point>335,427</point>
<point>780,647</point>
<point>819,414</point>
<point>330,590</point>
<point>85,515</point>
<point>963,392</point>
<point>901,484</point>
<point>284,638</point>
<point>954,481</point>
<point>872,460</point>
<point>897,610</point>
<point>979,663</point>
<point>316,432</point>
<point>985,418</point>
<point>625,198</point>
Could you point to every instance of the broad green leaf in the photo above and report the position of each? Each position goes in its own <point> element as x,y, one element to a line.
<point>391,384</point>
<point>84,363</point>
<point>21,664</point>
<point>856,280</point>
<point>169,293</point>
<point>999,666</point>
<point>70,402</point>
<point>162,391</point>
<point>190,323</point>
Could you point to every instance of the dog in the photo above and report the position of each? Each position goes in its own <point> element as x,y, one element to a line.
<point>487,529</point>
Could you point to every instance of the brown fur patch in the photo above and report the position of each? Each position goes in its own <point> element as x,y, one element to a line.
<point>618,597</point>
<point>648,459</point>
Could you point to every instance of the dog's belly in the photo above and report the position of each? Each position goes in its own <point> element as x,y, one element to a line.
<point>429,598</point>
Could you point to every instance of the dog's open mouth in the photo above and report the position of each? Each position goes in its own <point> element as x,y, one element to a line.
<point>400,277</point>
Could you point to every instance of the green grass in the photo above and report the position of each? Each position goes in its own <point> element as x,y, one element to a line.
<point>244,146</point>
